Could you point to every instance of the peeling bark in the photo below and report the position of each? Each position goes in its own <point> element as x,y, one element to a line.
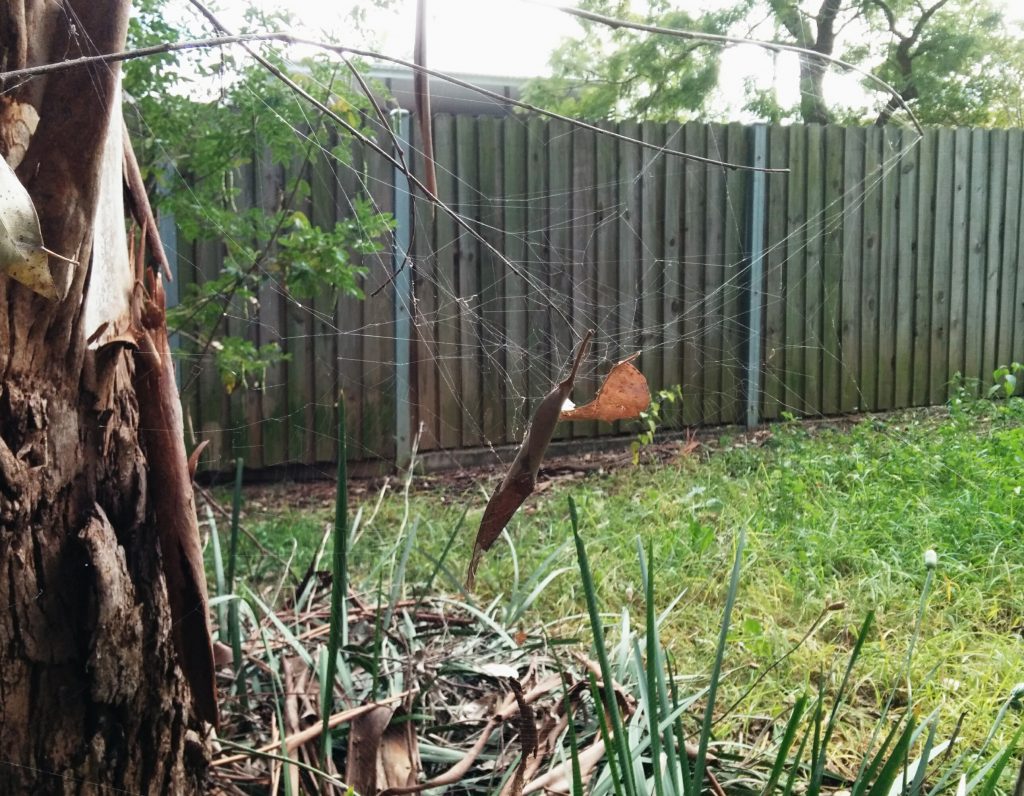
<point>91,699</point>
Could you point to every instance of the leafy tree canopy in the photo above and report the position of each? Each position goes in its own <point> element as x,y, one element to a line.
<point>953,62</point>
<point>199,121</point>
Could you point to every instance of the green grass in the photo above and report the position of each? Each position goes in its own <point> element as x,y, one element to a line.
<point>830,516</point>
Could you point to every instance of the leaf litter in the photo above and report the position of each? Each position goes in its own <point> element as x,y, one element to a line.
<point>441,697</point>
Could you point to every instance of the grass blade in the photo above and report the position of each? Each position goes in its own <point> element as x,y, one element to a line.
<point>439,563</point>
<point>398,577</point>
<point>617,728</point>
<point>821,751</point>
<point>990,773</point>
<point>795,766</point>
<point>788,737</point>
<point>651,708</point>
<point>218,573</point>
<point>716,670</point>
<point>338,635</point>
<point>894,765</point>
<point>602,724</point>
<point>574,749</point>
<point>234,623</point>
<point>922,762</point>
<point>866,775</point>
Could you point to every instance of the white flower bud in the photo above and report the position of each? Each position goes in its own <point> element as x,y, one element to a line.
<point>931,559</point>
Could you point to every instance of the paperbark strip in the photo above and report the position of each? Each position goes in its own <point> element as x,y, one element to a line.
<point>174,507</point>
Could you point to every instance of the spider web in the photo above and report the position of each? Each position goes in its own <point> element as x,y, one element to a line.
<point>570,229</point>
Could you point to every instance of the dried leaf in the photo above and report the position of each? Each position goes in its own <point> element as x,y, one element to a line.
<point>18,121</point>
<point>399,756</point>
<point>623,396</point>
<point>364,747</point>
<point>22,256</point>
<point>521,478</point>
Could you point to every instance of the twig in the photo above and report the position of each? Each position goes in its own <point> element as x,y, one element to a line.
<point>292,742</point>
<point>421,90</point>
<point>140,206</point>
<point>265,752</point>
<point>401,156</point>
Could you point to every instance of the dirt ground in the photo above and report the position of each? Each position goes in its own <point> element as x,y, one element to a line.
<point>319,493</point>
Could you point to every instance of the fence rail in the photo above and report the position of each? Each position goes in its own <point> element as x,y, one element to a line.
<point>890,264</point>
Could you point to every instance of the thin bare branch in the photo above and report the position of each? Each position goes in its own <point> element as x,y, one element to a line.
<point>288,38</point>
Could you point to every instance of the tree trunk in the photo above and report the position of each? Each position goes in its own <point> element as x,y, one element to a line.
<point>91,696</point>
<point>813,108</point>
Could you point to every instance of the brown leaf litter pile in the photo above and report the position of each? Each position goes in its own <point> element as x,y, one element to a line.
<point>431,694</point>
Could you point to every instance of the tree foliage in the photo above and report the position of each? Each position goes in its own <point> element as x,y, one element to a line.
<point>624,73</point>
<point>197,144</point>
<point>953,62</point>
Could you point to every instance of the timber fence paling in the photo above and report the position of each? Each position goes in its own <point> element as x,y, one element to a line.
<point>350,308</point>
<point>852,242</point>
<point>942,242</point>
<point>516,298</point>
<point>560,259</point>
<point>583,267</point>
<point>606,246</point>
<point>671,353</point>
<point>774,357</point>
<point>891,265</point>
<point>324,342</point>
<point>1011,317</point>
<point>491,171</point>
<point>923,284</point>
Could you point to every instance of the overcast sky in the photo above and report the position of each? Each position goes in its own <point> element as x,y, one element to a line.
<point>495,37</point>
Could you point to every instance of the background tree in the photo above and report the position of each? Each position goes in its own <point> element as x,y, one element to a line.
<point>953,62</point>
<point>200,120</point>
<point>96,506</point>
<point>623,73</point>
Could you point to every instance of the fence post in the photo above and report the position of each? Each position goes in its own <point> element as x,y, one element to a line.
<point>758,203</point>
<point>400,122</point>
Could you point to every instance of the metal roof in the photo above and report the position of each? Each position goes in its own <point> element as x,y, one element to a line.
<point>446,97</point>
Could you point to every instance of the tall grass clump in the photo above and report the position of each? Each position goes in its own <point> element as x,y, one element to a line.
<point>654,752</point>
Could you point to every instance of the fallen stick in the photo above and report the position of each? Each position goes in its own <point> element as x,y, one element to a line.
<point>292,742</point>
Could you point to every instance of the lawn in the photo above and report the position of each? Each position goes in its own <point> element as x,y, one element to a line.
<point>838,519</point>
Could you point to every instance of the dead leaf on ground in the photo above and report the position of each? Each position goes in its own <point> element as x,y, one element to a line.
<point>623,396</point>
<point>521,478</point>
<point>364,748</point>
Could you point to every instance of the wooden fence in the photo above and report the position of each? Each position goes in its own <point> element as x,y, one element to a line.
<point>889,265</point>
